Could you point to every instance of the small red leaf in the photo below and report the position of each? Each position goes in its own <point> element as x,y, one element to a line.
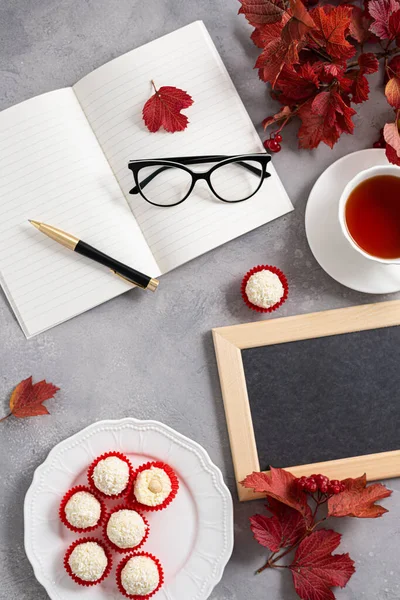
<point>281,485</point>
<point>392,91</point>
<point>368,63</point>
<point>273,58</point>
<point>358,500</point>
<point>392,155</point>
<point>324,119</point>
<point>315,569</point>
<point>332,24</point>
<point>359,25</point>
<point>299,23</point>
<point>26,399</point>
<point>163,109</point>
<point>380,11</point>
<point>285,528</point>
<point>394,24</point>
<point>297,85</point>
<point>260,12</point>
<point>280,116</point>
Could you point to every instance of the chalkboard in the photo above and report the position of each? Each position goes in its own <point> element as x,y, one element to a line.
<point>325,398</point>
<point>314,393</point>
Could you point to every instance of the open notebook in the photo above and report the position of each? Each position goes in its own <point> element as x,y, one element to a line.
<point>63,161</point>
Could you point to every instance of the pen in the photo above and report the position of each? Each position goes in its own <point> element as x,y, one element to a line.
<point>77,245</point>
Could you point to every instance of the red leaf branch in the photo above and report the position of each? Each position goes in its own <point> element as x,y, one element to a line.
<point>293,526</point>
<point>314,60</point>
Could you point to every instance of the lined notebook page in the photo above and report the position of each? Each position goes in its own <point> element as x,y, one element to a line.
<point>52,169</point>
<point>112,98</point>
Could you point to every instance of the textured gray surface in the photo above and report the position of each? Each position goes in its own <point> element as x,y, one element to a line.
<point>151,356</point>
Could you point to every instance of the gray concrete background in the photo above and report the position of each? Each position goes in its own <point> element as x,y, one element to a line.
<point>151,356</point>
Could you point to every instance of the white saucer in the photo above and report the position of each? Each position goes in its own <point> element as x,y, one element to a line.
<point>327,242</point>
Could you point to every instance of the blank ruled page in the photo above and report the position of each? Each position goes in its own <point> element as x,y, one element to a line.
<point>52,169</point>
<point>112,98</point>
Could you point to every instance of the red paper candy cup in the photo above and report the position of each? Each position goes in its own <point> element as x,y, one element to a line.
<point>92,467</point>
<point>122,565</point>
<point>78,580</point>
<point>174,485</point>
<point>68,496</point>
<point>117,548</point>
<point>282,278</point>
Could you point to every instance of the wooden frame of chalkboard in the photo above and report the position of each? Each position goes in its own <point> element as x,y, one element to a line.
<point>229,343</point>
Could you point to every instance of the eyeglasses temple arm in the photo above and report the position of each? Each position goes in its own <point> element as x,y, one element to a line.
<point>135,190</point>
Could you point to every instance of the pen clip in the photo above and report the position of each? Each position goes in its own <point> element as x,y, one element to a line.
<point>126,279</point>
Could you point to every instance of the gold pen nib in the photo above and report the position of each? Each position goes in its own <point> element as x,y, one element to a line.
<point>34,223</point>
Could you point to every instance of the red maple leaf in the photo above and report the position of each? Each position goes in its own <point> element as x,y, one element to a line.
<point>260,12</point>
<point>380,11</point>
<point>358,499</point>
<point>274,57</point>
<point>27,399</point>
<point>285,528</point>
<point>324,119</point>
<point>392,139</point>
<point>332,24</point>
<point>392,155</point>
<point>360,87</point>
<point>297,85</point>
<point>315,569</point>
<point>359,25</point>
<point>264,35</point>
<point>281,485</point>
<point>394,25</point>
<point>299,24</point>
<point>394,66</point>
<point>163,109</point>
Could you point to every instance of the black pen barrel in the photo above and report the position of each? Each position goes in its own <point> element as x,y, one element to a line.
<point>134,276</point>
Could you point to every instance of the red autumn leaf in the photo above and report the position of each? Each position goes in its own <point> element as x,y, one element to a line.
<point>360,87</point>
<point>315,569</point>
<point>283,529</point>
<point>324,119</point>
<point>299,23</point>
<point>281,485</point>
<point>297,85</point>
<point>394,24</point>
<point>392,91</point>
<point>392,138</point>
<point>260,12</point>
<point>359,25</point>
<point>394,66</point>
<point>380,11</point>
<point>26,399</point>
<point>392,155</point>
<point>163,109</point>
<point>264,35</point>
<point>272,60</point>
<point>280,116</point>
<point>368,63</point>
<point>332,24</point>
<point>358,500</point>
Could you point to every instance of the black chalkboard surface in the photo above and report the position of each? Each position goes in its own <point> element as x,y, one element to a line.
<point>325,398</point>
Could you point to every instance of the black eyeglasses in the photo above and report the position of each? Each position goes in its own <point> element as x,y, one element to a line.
<point>169,182</point>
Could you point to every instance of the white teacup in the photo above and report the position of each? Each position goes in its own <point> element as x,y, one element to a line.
<point>353,183</point>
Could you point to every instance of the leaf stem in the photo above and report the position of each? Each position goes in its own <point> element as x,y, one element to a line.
<point>154,86</point>
<point>6,417</point>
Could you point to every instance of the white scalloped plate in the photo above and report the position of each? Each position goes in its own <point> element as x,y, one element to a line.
<point>193,537</point>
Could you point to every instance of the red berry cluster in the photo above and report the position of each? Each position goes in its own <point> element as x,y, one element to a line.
<point>273,144</point>
<point>381,142</point>
<point>320,483</point>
